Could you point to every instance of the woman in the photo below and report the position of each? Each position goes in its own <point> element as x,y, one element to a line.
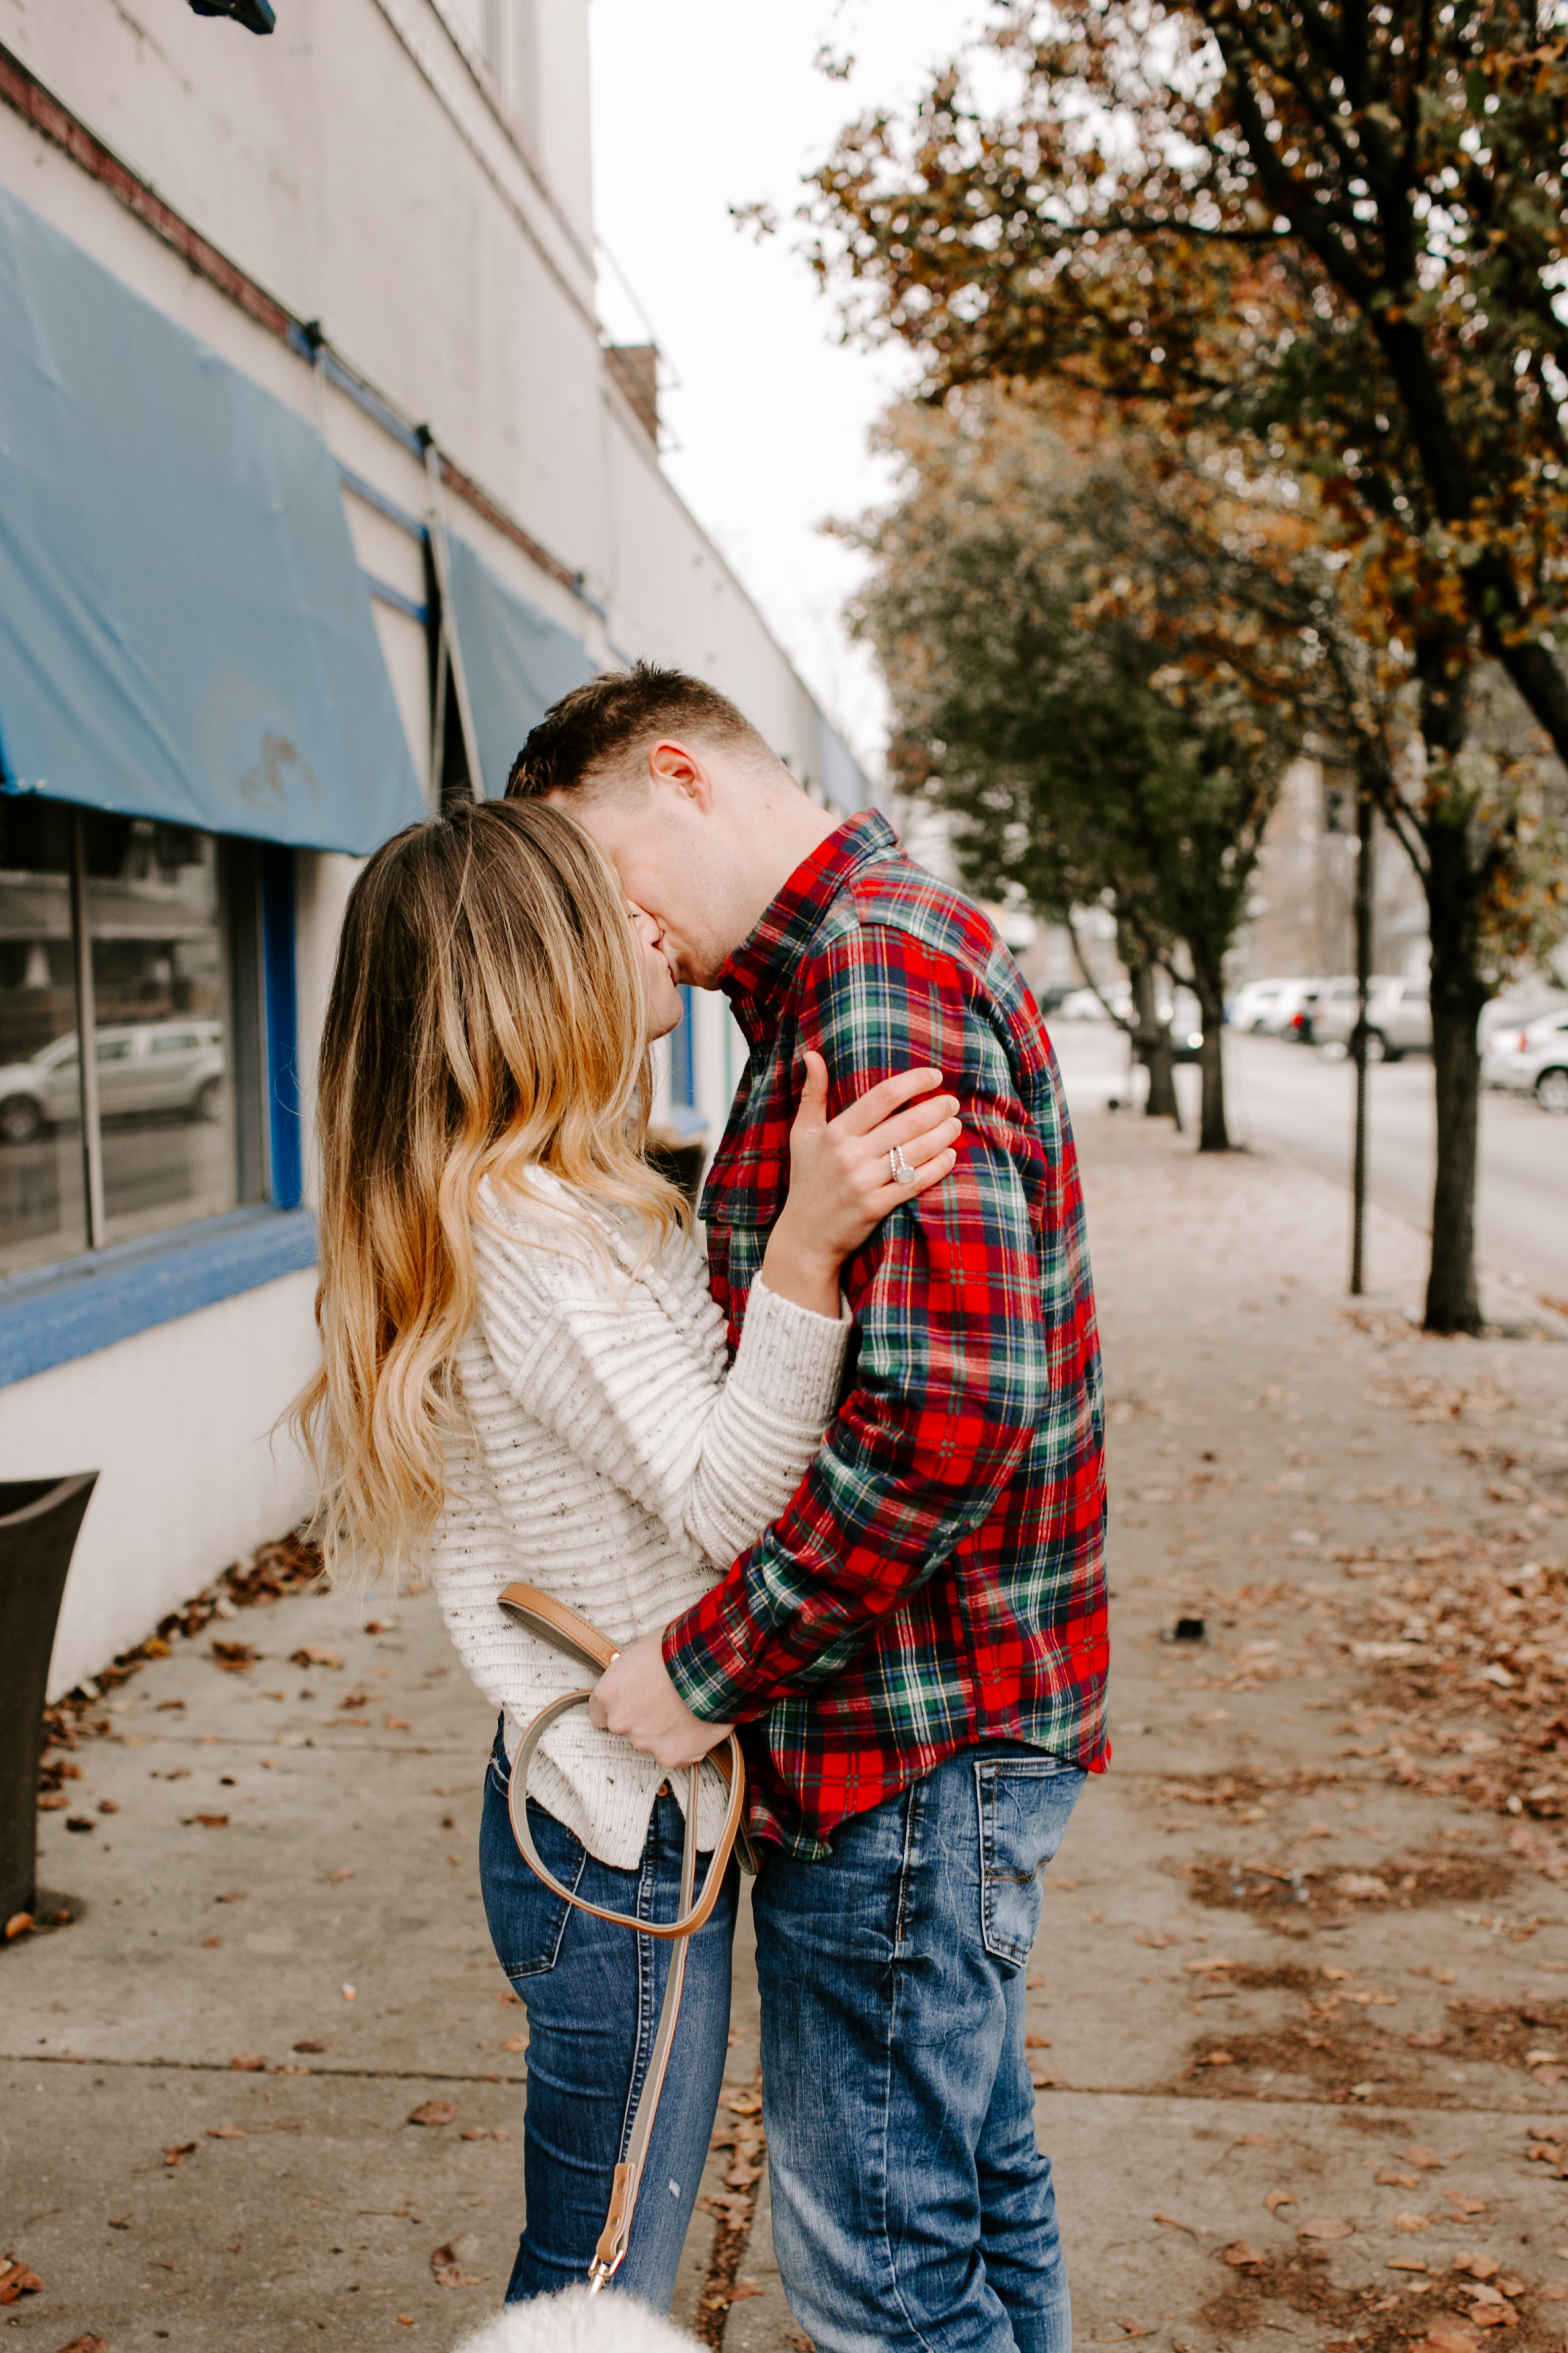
<point>523,1376</point>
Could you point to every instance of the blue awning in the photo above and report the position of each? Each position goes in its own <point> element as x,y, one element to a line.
<point>185,631</point>
<point>516,663</point>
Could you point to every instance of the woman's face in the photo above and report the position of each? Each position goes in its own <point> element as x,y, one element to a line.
<point>664,1007</point>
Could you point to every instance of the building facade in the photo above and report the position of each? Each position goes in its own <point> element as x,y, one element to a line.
<point>318,482</point>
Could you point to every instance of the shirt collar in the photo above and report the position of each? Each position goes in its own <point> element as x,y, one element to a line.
<point>752,978</point>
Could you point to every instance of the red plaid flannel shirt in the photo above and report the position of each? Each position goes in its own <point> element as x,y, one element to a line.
<point>939,1577</point>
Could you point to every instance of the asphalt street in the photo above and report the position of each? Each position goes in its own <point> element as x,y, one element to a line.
<point>1283,1099</point>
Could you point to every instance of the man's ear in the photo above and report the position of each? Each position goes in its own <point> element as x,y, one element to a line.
<point>679,768</point>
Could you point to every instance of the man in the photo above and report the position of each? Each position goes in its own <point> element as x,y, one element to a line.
<point>917,1650</point>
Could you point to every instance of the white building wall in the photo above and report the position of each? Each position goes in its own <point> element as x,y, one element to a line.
<point>414,174</point>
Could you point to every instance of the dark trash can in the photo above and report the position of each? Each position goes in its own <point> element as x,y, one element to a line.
<point>40,1520</point>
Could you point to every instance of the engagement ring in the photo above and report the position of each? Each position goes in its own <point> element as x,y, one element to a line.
<point>902,1173</point>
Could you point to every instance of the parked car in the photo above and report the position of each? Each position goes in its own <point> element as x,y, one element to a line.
<point>154,1066</point>
<point>1279,1011</point>
<point>1261,1005</point>
<point>1398,1013</point>
<point>1085,1005</point>
<point>1531,1061</point>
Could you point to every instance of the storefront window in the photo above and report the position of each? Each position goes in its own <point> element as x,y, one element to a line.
<point>171,936</point>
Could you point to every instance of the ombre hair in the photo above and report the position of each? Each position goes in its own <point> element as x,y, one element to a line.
<point>487,1016</point>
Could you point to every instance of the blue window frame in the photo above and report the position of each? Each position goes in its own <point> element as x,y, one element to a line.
<point>148,1066</point>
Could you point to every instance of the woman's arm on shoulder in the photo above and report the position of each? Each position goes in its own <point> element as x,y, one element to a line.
<point>623,1371</point>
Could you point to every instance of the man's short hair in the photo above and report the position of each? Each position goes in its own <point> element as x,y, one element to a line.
<point>615,721</point>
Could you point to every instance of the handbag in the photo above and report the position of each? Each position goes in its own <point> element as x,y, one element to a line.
<point>556,1622</point>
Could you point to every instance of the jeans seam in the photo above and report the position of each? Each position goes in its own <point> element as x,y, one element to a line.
<point>911,1809</point>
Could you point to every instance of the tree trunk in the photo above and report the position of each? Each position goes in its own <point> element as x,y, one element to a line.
<point>1458,993</point>
<point>1156,1048</point>
<point>1212,1134</point>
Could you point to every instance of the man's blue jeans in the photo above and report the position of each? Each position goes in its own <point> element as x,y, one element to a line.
<point>593,1993</point>
<point>911,2206</point>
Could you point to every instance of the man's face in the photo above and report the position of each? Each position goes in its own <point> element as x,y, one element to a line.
<point>666,847</point>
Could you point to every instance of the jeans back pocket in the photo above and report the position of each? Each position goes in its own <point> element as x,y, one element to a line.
<point>1025,1804</point>
<point>527,1920</point>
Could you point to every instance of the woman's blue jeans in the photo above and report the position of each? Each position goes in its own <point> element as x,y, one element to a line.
<point>911,2206</point>
<point>592,1994</point>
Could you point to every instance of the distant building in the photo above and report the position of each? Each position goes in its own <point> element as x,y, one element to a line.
<point>317,483</point>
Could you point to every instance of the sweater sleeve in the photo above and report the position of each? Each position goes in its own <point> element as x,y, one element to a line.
<point>633,1385</point>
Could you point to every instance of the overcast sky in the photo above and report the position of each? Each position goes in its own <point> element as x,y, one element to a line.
<point>702,104</point>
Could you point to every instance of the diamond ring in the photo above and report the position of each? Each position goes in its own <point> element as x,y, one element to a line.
<point>901,1173</point>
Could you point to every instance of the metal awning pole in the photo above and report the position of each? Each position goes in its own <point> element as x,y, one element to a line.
<point>1364,821</point>
<point>440,558</point>
<point>87,1036</point>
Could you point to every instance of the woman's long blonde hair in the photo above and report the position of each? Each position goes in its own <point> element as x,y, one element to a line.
<point>488,1012</point>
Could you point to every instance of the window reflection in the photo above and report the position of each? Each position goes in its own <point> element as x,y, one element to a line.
<point>42,1211</point>
<point>159,984</point>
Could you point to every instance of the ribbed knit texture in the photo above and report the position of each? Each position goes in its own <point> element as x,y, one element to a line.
<point>608,1460</point>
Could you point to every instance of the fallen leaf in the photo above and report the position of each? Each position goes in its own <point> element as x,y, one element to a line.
<point>18,1924</point>
<point>1326,2227</point>
<point>515,2042</point>
<point>1198,1968</point>
<point>208,1821</point>
<point>742,2174</point>
<point>359,1699</point>
<point>1033,1985</point>
<point>1048,2079</point>
<point>1542,2058</point>
<point>1406,2264</point>
<point>234,1657</point>
<point>1170,2223</point>
<point>1446,2335</point>
<point>235,1895</point>
<point>314,1654</point>
<point>248,2063</point>
<point>1061,1883</point>
<point>1479,2266</point>
<point>1485,2295</point>
<point>1156,1940</point>
<point>1037,2041</point>
<point>398,1724</point>
<point>433,2112</point>
<point>1278,2198</point>
<point>1426,2158</point>
<point>1256,2140</point>
<point>745,2104</point>
<point>309,2046</point>
<point>82,1823</point>
<point>87,2344</point>
<point>736,2294</point>
<point>1412,2221</point>
<point>1388,2179</point>
<point>1130,2328</point>
<point>501,2132</point>
<point>1554,2294</point>
<point>1465,2204</point>
<point>1241,2255</point>
<point>119,2221</point>
<point>344,1871</point>
<point>448,2269</point>
<point>178,2155</point>
<point>107,1806</point>
<point>224,2132</point>
<point>474,2132</point>
<point>1333,1973</point>
<point>16,2280</point>
<point>1433,2039</point>
<point>405,2319</point>
<point>1217,2059</point>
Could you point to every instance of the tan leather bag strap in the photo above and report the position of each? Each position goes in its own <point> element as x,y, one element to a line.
<point>559,1624</point>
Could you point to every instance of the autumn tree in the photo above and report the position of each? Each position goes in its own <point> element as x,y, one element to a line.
<point>1081,763</point>
<point>1335,235</point>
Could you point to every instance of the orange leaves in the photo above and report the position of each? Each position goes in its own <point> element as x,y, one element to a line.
<point>432,2113</point>
<point>16,2280</point>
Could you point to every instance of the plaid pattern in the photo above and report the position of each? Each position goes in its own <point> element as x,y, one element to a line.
<point>939,1577</point>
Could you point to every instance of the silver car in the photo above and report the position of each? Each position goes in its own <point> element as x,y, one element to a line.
<point>154,1066</point>
<point>1531,1061</point>
<point>1398,1013</point>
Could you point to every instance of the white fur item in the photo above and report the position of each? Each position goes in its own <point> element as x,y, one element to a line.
<point>576,2321</point>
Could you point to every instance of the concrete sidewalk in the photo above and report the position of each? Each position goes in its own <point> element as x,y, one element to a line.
<point>1249,1923</point>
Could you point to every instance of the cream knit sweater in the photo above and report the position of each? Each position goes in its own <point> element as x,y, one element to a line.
<point>606,1459</point>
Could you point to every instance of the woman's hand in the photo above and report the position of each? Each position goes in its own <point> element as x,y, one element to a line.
<point>841,1179</point>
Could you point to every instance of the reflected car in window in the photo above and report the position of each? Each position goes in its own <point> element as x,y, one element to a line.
<point>1531,1060</point>
<point>171,1066</point>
